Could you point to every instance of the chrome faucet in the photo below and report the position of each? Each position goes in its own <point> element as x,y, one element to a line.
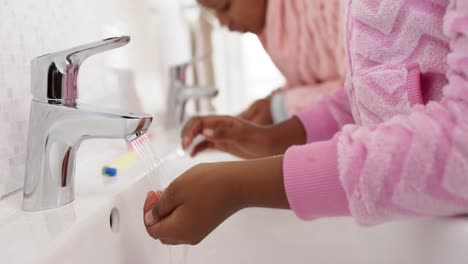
<point>180,92</point>
<point>58,124</point>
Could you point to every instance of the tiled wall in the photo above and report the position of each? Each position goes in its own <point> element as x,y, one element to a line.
<point>29,28</point>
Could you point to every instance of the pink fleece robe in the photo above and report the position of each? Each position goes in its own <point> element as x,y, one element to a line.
<point>304,38</point>
<point>401,150</point>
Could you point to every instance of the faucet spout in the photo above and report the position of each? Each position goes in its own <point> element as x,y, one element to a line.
<point>93,122</point>
<point>197,92</point>
<point>56,133</point>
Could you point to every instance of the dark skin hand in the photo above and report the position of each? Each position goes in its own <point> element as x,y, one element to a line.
<point>259,112</point>
<point>242,138</point>
<point>198,201</point>
<point>202,198</point>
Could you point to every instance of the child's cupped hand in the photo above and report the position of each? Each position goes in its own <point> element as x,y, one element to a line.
<point>203,197</point>
<point>229,134</point>
<point>191,207</point>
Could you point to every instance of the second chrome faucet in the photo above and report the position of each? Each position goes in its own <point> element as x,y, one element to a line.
<point>180,92</point>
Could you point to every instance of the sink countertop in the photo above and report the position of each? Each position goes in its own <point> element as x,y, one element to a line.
<point>31,237</point>
<point>26,235</point>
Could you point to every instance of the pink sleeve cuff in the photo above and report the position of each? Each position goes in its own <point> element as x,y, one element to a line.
<point>312,181</point>
<point>318,123</point>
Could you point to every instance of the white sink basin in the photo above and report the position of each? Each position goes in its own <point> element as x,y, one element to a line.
<point>82,232</point>
<point>251,236</point>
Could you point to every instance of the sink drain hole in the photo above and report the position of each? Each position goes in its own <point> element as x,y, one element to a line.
<point>114,220</point>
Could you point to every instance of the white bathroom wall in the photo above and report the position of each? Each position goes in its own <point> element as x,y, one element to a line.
<point>30,28</point>
<point>244,71</point>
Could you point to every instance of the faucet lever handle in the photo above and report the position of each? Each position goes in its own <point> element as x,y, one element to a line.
<point>76,56</point>
<point>54,76</point>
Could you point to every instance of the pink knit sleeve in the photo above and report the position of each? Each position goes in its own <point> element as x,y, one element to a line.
<point>310,171</point>
<point>326,117</point>
<point>415,165</point>
<point>312,182</point>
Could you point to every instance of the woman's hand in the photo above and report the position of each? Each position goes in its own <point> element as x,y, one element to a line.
<point>203,197</point>
<point>259,112</point>
<point>242,138</point>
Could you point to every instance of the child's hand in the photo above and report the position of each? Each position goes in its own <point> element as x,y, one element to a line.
<point>259,112</point>
<point>151,199</point>
<point>229,134</point>
<point>191,207</point>
<point>203,197</point>
<point>242,138</point>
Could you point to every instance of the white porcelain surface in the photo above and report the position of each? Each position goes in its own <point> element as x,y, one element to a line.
<point>80,232</point>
